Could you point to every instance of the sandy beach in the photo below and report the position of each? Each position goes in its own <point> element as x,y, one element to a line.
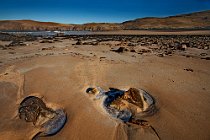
<point>62,70</point>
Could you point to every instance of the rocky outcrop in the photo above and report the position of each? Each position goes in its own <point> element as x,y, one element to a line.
<point>199,20</point>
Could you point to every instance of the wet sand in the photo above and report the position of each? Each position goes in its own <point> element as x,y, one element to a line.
<point>61,76</point>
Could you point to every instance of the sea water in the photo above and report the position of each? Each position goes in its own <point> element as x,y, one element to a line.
<point>48,33</point>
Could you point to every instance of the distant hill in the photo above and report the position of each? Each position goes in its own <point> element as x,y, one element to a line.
<point>198,20</point>
<point>24,25</point>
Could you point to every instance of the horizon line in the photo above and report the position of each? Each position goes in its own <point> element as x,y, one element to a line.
<point>92,22</point>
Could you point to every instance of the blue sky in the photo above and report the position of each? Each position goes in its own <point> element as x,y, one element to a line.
<point>83,11</point>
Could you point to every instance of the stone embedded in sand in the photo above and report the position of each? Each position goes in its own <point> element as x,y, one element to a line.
<point>124,105</point>
<point>189,69</point>
<point>132,50</point>
<point>138,101</point>
<point>120,50</point>
<point>33,109</point>
<point>46,41</point>
<point>133,96</point>
<point>17,43</point>
<point>79,42</point>
<point>206,48</point>
<point>49,48</point>
<point>92,91</point>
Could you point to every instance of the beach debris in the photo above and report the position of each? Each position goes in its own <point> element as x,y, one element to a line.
<point>33,109</point>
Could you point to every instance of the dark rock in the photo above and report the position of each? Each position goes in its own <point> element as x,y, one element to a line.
<point>177,45</point>
<point>49,48</point>
<point>79,42</point>
<point>47,41</point>
<point>188,69</point>
<point>12,37</point>
<point>207,58</point>
<point>168,52</point>
<point>131,44</point>
<point>161,55</point>
<point>132,50</point>
<point>17,43</point>
<point>145,51</point>
<point>33,109</point>
<point>2,47</point>
<point>120,50</point>
<point>203,54</point>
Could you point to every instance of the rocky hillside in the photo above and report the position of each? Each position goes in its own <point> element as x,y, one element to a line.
<point>187,21</point>
<point>24,25</point>
<point>199,20</point>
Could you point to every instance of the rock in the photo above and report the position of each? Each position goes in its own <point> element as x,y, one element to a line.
<point>125,104</point>
<point>91,43</point>
<point>2,47</point>
<point>145,51</point>
<point>17,43</point>
<point>131,44</point>
<point>183,47</point>
<point>132,50</point>
<point>49,48</point>
<point>46,41</point>
<point>140,98</point>
<point>178,46</point>
<point>207,58</point>
<point>161,55</point>
<point>12,37</point>
<point>168,52</point>
<point>78,42</point>
<point>206,48</point>
<point>33,109</point>
<point>188,69</point>
<point>203,54</point>
<point>120,50</point>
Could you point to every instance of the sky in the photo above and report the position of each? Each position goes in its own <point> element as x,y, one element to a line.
<point>85,11</point>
